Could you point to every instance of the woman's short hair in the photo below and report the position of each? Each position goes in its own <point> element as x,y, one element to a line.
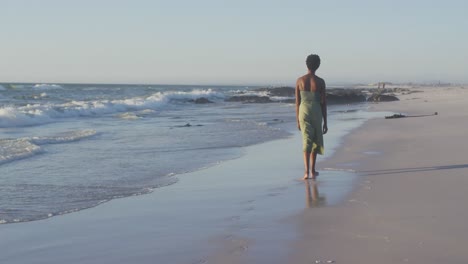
<point>313,62</point>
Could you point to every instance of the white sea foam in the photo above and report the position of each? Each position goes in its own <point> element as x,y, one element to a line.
<point>22,116</point>
<point>178,95</point>
<point>129,116</point>
<point>252,93</point>
<point>64,137</point>
<point>280,98</point>
<point>262,93</point>
<point>15,149</point>
<point>34,114</point>
<point>20,148</point>
<point>47,86</point>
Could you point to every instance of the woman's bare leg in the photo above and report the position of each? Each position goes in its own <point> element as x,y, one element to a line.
<point>306,164</point>
<point>313,159</point>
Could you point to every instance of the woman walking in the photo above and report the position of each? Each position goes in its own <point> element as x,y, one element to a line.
<point>311,112</point>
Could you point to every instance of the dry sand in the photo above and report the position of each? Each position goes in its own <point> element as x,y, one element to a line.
<point>411,205</point>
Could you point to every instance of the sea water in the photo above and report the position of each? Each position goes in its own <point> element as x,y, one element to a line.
<point>69,147</point>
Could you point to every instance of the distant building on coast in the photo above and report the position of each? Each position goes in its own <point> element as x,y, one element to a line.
<point>382,84</point>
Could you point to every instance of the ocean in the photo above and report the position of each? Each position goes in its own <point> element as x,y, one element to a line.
<point>68,147</point>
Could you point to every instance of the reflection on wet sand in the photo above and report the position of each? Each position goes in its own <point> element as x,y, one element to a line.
<point>313,198</point>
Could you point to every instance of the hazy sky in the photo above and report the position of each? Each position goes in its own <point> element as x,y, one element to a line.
<point>232,42</point>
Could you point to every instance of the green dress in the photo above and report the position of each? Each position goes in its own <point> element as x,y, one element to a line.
<point>310,120</point>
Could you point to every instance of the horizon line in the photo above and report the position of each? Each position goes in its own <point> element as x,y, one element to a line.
<point>331,83</point>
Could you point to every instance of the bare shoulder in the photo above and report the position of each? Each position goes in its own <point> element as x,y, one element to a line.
<point>320,82</point>
<point>300,81</point>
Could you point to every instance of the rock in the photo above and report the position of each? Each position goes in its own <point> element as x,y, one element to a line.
<point>334,95</point>
<point>188,125</point>
<point>249,99</point>
<point>342,96</point>
<point>382,98</point>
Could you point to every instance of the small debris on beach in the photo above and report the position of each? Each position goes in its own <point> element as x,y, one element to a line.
<point>395,116</point>
<point>402,115</point>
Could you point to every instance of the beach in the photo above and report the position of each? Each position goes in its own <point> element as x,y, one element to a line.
<point>390,191</point>
<point>410,204</point>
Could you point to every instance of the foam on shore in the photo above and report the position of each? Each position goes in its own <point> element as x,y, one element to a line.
<point>20,148</point>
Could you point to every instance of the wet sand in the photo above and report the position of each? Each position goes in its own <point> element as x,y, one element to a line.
<point>238,211</point>
<point>411,202</point>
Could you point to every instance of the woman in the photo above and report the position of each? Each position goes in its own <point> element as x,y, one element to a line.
<point>311,110</point>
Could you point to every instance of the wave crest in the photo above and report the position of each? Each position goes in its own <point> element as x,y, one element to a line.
<point>43,86</point>
<point>20,148</point>
<point>36,114</point>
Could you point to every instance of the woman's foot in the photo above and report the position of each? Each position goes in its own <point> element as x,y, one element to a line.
<point>306,176</point>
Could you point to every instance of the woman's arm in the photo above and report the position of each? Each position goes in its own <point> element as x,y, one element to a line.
<point>323,103</point>
<point>298,102</point>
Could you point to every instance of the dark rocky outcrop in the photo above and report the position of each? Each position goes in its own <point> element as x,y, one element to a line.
<point>382,98</point>
<point>249,99</point>
<point>345,96</point>
<point>334,95</point>
<point>201,100</point>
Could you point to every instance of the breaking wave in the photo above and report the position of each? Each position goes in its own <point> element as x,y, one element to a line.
<point>42,113</point>
<point>47,86</point>
<point>20,148</point>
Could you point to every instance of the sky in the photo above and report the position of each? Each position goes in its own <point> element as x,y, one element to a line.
<point>232,42</point>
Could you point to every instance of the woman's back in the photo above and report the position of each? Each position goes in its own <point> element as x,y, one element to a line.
<point>310,87</point>
<point>310,97</point>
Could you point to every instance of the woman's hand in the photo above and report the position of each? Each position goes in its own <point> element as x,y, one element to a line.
<point>325,128</point>
<point>298,125</point>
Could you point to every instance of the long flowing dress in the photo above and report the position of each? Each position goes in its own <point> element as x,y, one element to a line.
<point>310,120</point>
